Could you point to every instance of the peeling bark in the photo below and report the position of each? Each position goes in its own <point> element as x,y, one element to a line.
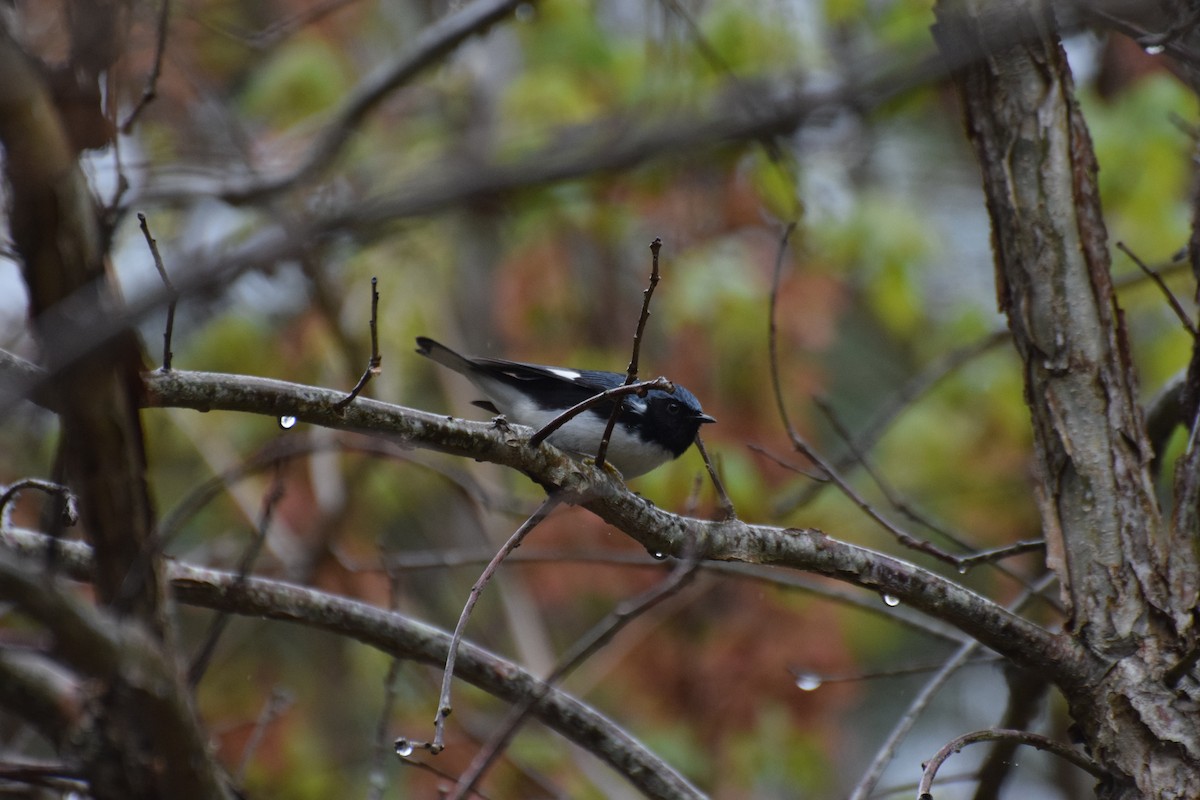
<point>1128,578</point>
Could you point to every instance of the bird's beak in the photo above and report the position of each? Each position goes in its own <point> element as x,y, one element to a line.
<point>705,418</point>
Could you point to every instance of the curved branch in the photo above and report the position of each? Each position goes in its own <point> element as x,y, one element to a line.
<point>430,45</point>
<point>997,734</point>
<point>398,636</point>
<point>659,531</point>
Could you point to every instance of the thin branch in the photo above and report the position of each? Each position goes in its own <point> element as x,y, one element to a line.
<point>917,386</point>
<point>773,332</point>
<point>444,707</point>
<point>925,788</point>
<point>279,702</point>
<point>373,364</point>
<point>70,503</point>
<point>808,681</point>
<point>870,778</point>
<point>638,387</point>
<point>902,536</point>
<point>599,635</point>
<point>166,279</point>
<point>249,556</point>
<point>631,372</point>
<point>961,563</point>
<point>727,509</point>
<point>1176,306</point>
<point>966,563</point>
<point>150,90</point>
<point>430,46</point>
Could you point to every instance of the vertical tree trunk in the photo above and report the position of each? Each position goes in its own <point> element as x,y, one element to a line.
<point>1128,578</point>
<point>138,737</point>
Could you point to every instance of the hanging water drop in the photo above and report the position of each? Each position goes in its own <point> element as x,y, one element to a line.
<point>1155,50</point>
<point>287,422</point>
<point>891,600</point>
<point>404,748</point>
<point>807,682</point>
<point>963,568</point>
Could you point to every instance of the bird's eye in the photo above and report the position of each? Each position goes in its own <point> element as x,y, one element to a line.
<point>673,407</point>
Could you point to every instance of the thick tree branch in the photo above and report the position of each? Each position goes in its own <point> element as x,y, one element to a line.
<point>659,531</point>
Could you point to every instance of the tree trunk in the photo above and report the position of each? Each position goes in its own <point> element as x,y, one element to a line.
<point>1128,577</point>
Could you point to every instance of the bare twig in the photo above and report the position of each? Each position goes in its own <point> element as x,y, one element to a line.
<point>166,279</point>
<point>773,331</point>
<point>204,655</point>
<point>70,511</point>
<point>925,788</point>
<point>962,563</point>
<point>377,780</point>
<point>632,372</point>
<point>432,44</point>
<point>904,397</point>
<point>994,554</point>
<point>727,509</point>
<point>444,707</point>
<point>866,784</point>
<point>279,702</point>
<point>1171,298</point>
<point>902,536</point>
<point>150,90</point>
<point>589,643</point>
<point>373,364</point>
<point>603,397</point>
<point>808,681</point>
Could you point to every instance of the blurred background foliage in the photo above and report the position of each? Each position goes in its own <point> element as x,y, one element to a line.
<point>888,271</point>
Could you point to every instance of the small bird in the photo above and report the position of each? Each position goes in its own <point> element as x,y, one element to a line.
<point>650,430</point>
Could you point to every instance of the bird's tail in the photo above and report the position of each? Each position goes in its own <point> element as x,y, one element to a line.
<point>444,355</point>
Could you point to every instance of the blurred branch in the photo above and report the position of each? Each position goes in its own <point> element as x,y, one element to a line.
<point>963,656</point>
<point>399,636</point>
<point>31,692</point>
<point>595,638</point>
<point>994,734</point>
<point>127,662</point>
<point>618,142</point>
<point>430,46</point>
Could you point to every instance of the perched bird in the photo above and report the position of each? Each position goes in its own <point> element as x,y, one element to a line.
<point>650,430</point>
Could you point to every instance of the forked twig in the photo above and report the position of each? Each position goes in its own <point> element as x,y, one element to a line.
<point>599,635</point>
<point>404,746</point>
<point>1176,306</point>
<point>376,360</point>
<point>166,279</point>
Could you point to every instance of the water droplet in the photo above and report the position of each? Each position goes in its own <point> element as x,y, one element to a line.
<point>404,748</point>
<point>287,422</point>
<point>964,568</point>
<point>807,682</point>
<point>1155,50</point>
<point>891,600</point>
